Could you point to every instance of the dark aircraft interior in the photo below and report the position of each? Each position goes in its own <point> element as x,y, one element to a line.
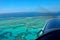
<point>51,30</point>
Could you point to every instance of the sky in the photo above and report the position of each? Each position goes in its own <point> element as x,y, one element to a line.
<point>9,6</point>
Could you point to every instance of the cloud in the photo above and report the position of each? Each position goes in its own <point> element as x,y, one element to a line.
<point>54,9</point>
<point>39,9</point>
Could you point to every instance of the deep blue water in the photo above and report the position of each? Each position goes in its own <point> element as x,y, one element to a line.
<point>27,14</point>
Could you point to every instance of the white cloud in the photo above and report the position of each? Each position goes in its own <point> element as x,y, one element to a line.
<point>41,9</point>
<point>54,9</point>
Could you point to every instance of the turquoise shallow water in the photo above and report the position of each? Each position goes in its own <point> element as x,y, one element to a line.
<point>21,28</point>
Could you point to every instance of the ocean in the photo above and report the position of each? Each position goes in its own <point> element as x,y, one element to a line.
<point>22,26</point>
<point>27,14</point>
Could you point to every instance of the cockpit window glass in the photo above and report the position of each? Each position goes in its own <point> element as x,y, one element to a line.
<point>26,19</point>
